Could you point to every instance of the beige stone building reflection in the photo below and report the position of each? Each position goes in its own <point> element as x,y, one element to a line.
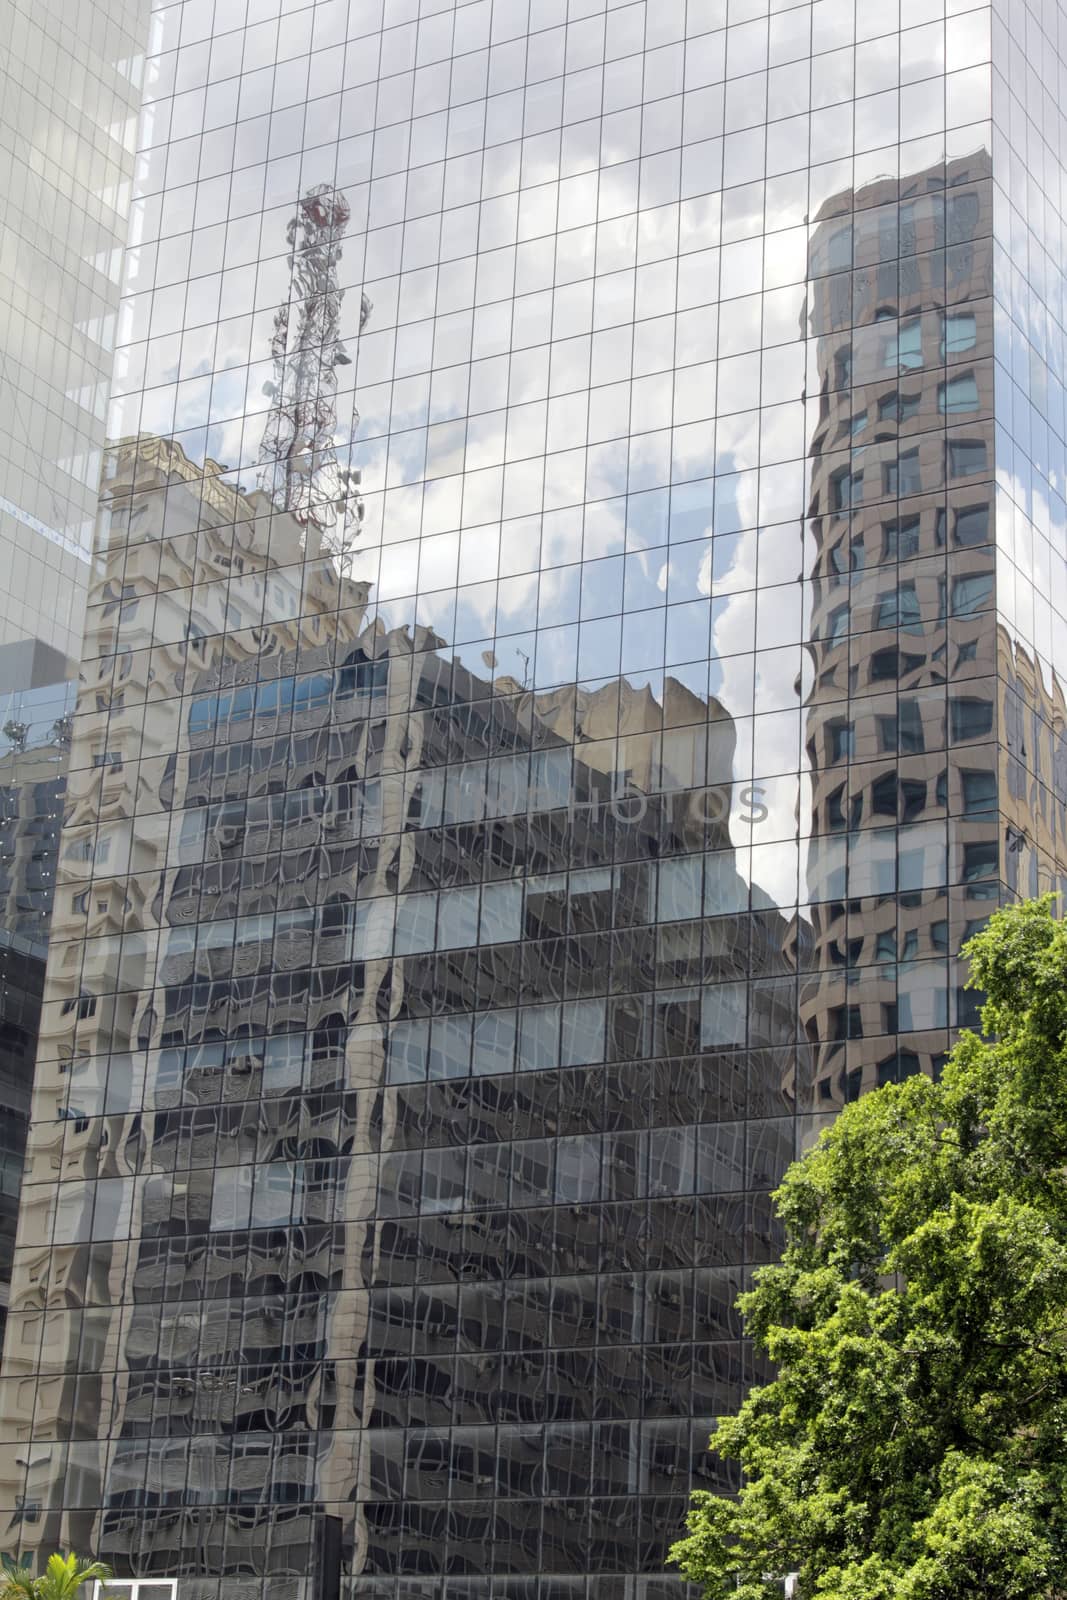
<point>33,770</point>
<point>196,584</point>
<point>260,764</point>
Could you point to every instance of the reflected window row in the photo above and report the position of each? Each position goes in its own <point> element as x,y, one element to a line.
<point>286,1285</point>
<point>570,1033</point>
<point>874,861</point>
<point>917,594</point>
<point>432,803</point>
<point>240,857</point>
<point>577,1384</point>
<point>188,623</point>
<point>584,1169</point>
<point>464,1340</point>
<point>223,1085</point>
<point>564,480</point>
<point>460,1464</point>
<point>599,557</point>
<point>615,784</point>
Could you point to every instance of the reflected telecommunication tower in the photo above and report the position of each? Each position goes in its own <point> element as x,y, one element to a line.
<point>299,466</point>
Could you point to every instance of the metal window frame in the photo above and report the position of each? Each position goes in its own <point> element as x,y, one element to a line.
<point>130,1588</point>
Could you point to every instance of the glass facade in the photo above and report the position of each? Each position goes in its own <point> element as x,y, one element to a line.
<point>1031,369</point>
<point>545,730</point>
<point>70,83</point>
<point>69,92</point>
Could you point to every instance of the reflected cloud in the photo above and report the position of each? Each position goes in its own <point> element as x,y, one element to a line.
<point>484,863</point>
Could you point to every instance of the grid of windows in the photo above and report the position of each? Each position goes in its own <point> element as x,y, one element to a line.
<point>537,759</point>
<point>69,88</point>
<point>1030,444</point>
<point>69,83</point>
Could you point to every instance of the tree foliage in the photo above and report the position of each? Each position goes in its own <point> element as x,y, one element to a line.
<point>912,1443</point>
<point>61,1579</point>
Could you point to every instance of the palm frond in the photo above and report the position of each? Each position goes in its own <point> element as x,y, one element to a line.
<point>16,1578</point>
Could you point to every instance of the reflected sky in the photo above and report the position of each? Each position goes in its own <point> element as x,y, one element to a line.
<point>464,922</point>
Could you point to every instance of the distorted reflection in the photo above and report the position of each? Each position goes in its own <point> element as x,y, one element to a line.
<point>300,469</point>
<point>482,866</point>
<point>328,896</point>
<point>903,862</point>
<point>34,748</point>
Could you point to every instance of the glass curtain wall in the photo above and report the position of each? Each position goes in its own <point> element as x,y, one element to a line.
<point>70,78</point>
<point>1029,316</point>
<point>536,760</point>
<point>70,82</point>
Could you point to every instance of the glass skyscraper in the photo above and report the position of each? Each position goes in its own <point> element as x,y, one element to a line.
<point>571,653</point>
<point>70,82</point>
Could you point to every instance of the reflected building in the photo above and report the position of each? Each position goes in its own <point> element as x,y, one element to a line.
<point>901,742</point>
<point>508,814</point>
<point>32,784</point>
<point>393,1074</point>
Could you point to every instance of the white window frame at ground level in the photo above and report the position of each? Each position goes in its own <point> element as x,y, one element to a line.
<point>136,1589</point>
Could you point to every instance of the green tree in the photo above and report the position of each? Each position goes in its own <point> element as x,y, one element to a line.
<point>61,1579</point>
<point>913,1443</point>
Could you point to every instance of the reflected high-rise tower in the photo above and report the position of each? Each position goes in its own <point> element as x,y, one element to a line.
<point>900,740</point>
<point>540,744</point>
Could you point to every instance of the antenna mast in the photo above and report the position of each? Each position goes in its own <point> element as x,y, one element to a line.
<point>299,468</point>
